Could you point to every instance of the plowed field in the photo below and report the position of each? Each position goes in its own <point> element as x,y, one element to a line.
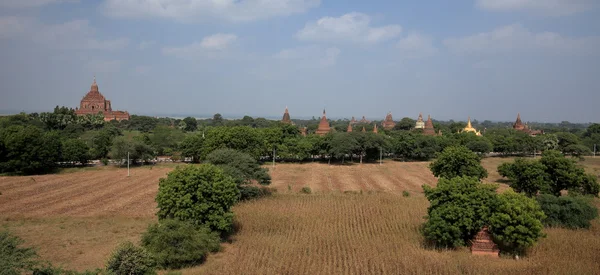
<point>76,219</point>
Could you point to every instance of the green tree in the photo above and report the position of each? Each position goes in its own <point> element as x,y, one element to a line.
<point>165,139</point>
<point>242,167</point>
<point>28,150</point>
<point>516,222</point>
<point>568,211</point>
<point>459,208</point>
<point>201,194</point>
<point>177,244</point>
<point>241,138</point>
<point>405,123</point>
<point>137,150</point>
<point>75,150</point>
<point>191,124</point>
<point>217,120</point>
<point>456,161</point>
<point>343,144</point>
<point>191,146</point>
<point>527,176</point>
<point>144,124</point>
<point>564,174</point>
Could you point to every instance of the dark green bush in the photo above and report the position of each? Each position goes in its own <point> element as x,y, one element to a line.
<point>14,258</point>
<point>175,244</point>
<point>129,259</point>
<point>253,192</point>
<point>405,193</point>
<point>567,211</point>
<point>306,190</point>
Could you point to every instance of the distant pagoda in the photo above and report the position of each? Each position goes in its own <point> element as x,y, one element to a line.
<point>353,121</point>
<point>364,120</point>
<point>429,130</point>
<point>420,123</point>
<point>469,128</point>
<point>483,244</point>
<point>519,126</point>
<point>323,128</point>
<point>349,130</point>
<point>388,123</point>
<point>363,130</point>
<point>375,129</point>
<point>286,117</point>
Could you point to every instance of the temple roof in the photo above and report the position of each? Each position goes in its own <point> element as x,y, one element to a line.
<point>420,119</point>
<point>349,127</point>
<point>94,93</point>
<point>286,117</point>
<point>375,129</point>
<point>323,125</point>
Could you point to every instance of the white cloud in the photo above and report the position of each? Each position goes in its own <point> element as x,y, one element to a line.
<point>515,38</point>
<point>72,35</point>
<point>146,44</point>
<point>546,7</point>
<point>19,4</point>
<point>104,66</point>
<point>310,56</point>
<point>417,46</point>
<point>352,27</point>
<point>214,46</point>
<point>192,10</point>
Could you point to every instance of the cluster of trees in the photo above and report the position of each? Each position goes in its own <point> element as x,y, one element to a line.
<point>461,205</point>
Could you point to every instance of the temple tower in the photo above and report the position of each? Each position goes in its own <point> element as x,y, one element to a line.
<point>389,123</point>
<point>323,128</point>
<point>470,129</point>
<point>349,130</point>
<point>420,123</point>
<point>429,130</point>
<point>375,129</point>
<point>286,117</point>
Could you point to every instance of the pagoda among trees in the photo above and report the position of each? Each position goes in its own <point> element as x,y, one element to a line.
<point>429,130</point>
<point>286,117</point>
<point>519,126</point>
<point>420,124</point>
<point>388,123</point>
<point>94,102</point>
<point>323,128</point>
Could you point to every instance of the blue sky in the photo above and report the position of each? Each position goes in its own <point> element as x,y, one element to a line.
<point>487,59</point>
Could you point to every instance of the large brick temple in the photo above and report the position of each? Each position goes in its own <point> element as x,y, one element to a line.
<point>94,102</point>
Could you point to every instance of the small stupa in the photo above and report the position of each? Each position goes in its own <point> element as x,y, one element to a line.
<point>375,129</point>
<point>286,117</point>
<point>349,130</point>
<point>420,123</point>
<point>429,130</point>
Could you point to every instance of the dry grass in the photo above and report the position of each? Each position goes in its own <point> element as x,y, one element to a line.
<point>374,234</point>
<point>76,219</point>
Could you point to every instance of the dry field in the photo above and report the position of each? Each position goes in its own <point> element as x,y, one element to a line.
<point>76,219</point>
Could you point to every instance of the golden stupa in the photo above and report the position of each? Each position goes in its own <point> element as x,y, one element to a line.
<point>470,129</point>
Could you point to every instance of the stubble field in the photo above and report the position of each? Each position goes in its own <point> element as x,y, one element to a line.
<point>76,219</point>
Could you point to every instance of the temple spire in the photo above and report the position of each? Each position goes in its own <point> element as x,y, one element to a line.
<point>469,123</point>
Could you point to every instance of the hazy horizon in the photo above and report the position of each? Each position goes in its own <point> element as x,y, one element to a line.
<point>487,59</point>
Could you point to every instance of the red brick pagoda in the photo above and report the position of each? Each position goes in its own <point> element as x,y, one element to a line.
<point>286,117</point>
<point>429,130</point>
<point>349,130</point>
<point>323,128</point>
<point>388,123</point>
<point>94,102</point>
<point>519,126</point>
<point>375,129</point>
<point>483,244</point>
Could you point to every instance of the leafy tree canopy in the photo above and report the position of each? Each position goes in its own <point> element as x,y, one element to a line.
<point>456,161</point>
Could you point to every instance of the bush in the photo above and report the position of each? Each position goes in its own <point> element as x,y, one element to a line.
<point>306,190</point>
<point>253,192</point>
<point>405,193</point>
<point>200,194</point>
<point>129,259</point>
<point>241,166</point>
<point>456,161</point>
<point>175,244</point>
<point>14,258</point>
<point>527,176</point>
<point>569,212</point>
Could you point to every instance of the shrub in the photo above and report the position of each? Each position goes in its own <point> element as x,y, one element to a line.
<point>516,223</point>
<point>241,166</point>
<point>306,190</point>
<point>527,176</point>
<point>569,212</point>
<point>14,258</point>
<point>129,259</point>
<point>456,161</point>
<point>175,244</point>
<point>104,161</point>
<point>200,194</point>
<point>459,208</point>
<point>253,192</point>
<point>405,193</point>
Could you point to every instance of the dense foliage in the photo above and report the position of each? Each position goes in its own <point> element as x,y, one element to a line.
<point>14,257</point>
<point>202,195</point>
<point>128,259</point>
<point>552,174</point>
<point>457,161</point>
<point>567,211</point>
<point>176,244</point>
<point>242,167</point>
